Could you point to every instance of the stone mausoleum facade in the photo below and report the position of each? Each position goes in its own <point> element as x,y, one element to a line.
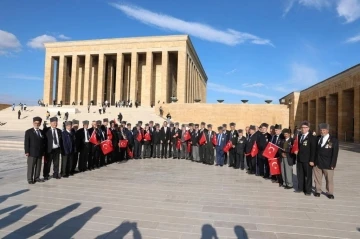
<point>143,69</point>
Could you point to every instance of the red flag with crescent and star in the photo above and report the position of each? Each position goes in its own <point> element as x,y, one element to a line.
<point>214,140</point>
<point>123,143</point>
<point>254,150</point>
<point>130,153</point>
<point>228,146</point>
<point>93,139</point>
<point>270,150</point>
<point>147,136</point>
<point>139,136</point>
<point>188,147</point>
<point>187,136</point>
<point>202,139</point>
<point>109,134</point>
<point>295,147</point>
<point>274,166</point>
<point>178,144</point>
<point>106,146</point>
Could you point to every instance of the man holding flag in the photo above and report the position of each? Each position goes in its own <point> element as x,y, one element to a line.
<point>262,140</point>
<point>287,159</point>
<point>249,148</point>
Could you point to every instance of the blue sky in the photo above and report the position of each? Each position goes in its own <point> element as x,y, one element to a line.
<point>250,49</point>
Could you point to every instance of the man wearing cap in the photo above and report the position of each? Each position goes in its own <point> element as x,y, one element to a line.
<point>287,159</point>
<point>34,145</point>
<point>203,131</point>
<point>305,159</point>
<point>240,150</point>
<point>82,137</point>
<point>325,161</point>
<point>137,143</point>
<point>227,136</point>
<point>175,135</point>
<point>195,137</point>
<point>191,130</point>
<point>276,138</point>
<point>152,129</point>
<point>251,161</point>
<point>209,147</point>
<point>68,139</point>
<point>98,156</point>
<point>104,129</point>
<point>262,140</point>
<point>75,157</point>
<point>54,148</point>
<point>221,142</point>
<point>183,150</point>
<point>170,153</point>
<point>165,139</point>
<point>130,137</point>
<point>156,142</point>
<point>233,137</point>
<point>147,143</point>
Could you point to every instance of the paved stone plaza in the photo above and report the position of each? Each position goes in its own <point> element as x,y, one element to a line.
<point>166,198</point>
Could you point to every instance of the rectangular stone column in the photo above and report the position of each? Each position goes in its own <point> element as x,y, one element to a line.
<point>146,81</point>
<point>341,113</point>
<point>181,77</point>
<point>110,78</point>
<point>357,114</point>
<point>74,80</point>
<point>119,76</point>
<point>62,76</point>
<point>48,79</point>
<point>332,114</point>
<point>165,77</point>
<point>320,111</point>
<point>80,84</point>
<point>87,81</point>
<point>134,72</point>
<point>101,79</point>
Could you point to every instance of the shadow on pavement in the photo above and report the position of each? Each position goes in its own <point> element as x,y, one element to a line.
<point>8,209</point>
<point>15,216</point>
<point>3,198</point>
<point>122,230</point>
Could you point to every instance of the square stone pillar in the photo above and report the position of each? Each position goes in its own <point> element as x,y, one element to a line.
<point>320,111</point>
<point>110,78</point>
<point>75,83</point>
<point>146,81</point>
<point>341,113</point>
<point>119,84</point>
<point>181,77</point>
<point>87,81</point>
<point>48,80</point>
<point>61,79</point>
<point>101,79</point>
<point>357,114</point>
<point>80,93</point>
<point>133,76</point>
<point>332,114</point>
<point>165,97</point>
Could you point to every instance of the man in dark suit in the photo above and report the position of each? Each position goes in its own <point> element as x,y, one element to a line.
<point>221,142</point>
<point>250,140</point>
<point>195,136</point>
<point>305,159</point>
<point>325,161</point>
<point>202,131</point>
<point>287,159</point>
<point>54,149</point>
<point>82,140</point>
<point>156,142</point>
<point>262,140</point>
<point>227,135</point>
<point>68,138</point>
<point>233,137</point>
<point>75,128</point>
<point>130,137</point>
<point>34,144</point>
<point>165,139</point>
<point>209,147</point>
<point>175,134</point>
<point>240,151</point>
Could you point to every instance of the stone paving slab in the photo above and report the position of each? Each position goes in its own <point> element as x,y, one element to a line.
<point>166,198</point>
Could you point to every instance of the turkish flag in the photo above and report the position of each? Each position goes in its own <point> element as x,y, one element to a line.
<point>254,150</point>
<point>178,144</point>
<point>93,139</point>
<point>147,136</point>
<point>214,140</point>
<point>123,143</point>
<point>188,147</point>
<point>295,147</point>
<point>270,150</point>
<point>109,134</point>
<point>228,146</point>
<point>130,153</point>
<point>202,139</point>
<point>106,147</point>
<point>187,136</point>
<point>274,166</point>
<point>139,137</point>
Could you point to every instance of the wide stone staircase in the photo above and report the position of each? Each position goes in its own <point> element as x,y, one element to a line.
<point>12,129</point>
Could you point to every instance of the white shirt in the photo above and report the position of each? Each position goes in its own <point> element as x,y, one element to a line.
<point>57,138</point>
<point>37,131</point>
<point>303,137</point>
<point>165,128</point>
<point>325,138</point>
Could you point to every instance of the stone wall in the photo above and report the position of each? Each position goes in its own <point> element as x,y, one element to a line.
<point>217,114</point>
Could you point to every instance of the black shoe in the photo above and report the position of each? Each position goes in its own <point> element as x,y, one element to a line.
<point>241,168</point>
<point>307,194</point>
<point>287,187</point>
<point>30,182</point>
<point>298,191</point>
<point>317,195</point>
<point>280,185</point>
<point>330,196</point>
<point>66,176</point>
<point>58,177</point>
<point>40,180</point>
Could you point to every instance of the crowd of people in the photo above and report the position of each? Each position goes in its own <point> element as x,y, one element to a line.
<point>102,142</point>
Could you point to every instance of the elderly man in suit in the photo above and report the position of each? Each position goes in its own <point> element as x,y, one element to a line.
<point>34,145</point>
<point>54,148</point>
<point>164,139</point>
<point>221,142</point>
<point>68,138</point>
<point>305,159</point>
<point>325,161</point>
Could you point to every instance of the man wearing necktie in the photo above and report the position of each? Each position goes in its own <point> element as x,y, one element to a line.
<point>234,140</point>
<point>54,149</point>
<point>34,145</point>
<point>82,138</point>
<point>305,159</point>
<point>221,142</point>
<point>209,147</point>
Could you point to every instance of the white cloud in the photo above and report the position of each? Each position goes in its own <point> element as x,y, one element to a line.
<point>8,43</point>
<point>23,77</point>
<point>247,85</point>
<point>317,4</point>
<point>202,31</point>
<point>38,42</point>
<point>231,72</point>
<point>353,39</point>
<point>302,75</point>
<point>349,9</point>
<point>228,90</point>
<point>63,37</point>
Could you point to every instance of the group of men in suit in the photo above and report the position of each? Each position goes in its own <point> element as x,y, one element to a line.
<point>193,142</point>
